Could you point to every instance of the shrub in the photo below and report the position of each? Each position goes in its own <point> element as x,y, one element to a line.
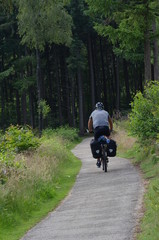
<point>15,140</point>
<point>144,118</point>
<point>18,138</point>
<point>67,133</point>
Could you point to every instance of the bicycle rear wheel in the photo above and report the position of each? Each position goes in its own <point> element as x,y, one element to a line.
<point>104,160</point>
<point>105,166</point>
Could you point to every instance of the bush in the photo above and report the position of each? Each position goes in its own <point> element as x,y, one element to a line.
<point>15,140</point>
<point>144,118</point>
<point>18,139</point>
<point>67,133</point>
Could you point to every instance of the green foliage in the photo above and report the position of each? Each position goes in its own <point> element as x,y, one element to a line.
<point>18,138</point>
<point>103,8</point>
<point>154,158</point>
<point>38,186</point>
<point>150,223</point>
<point>43,108</point>
<point>6,73</point>
<point>42,22</point>
<point>24,83</point>
<point>15,140</point>
<point>67,133</point>
<point>144,118</point>
<point>78,54</point>
<point>23,62</point>
<point>124,23</point>
<point>146,155</point>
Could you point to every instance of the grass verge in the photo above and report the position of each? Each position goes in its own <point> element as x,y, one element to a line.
<point>38,187</point>
<point>146,156</point>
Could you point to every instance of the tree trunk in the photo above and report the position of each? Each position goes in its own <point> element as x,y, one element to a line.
<point>116,76</point>
<point>91,71</point>
<point>147,49</point>
<point>117,85</point>
<point>2,106</point>
<point>31,106</point>
<point>104,77</point>
<point>80,91</point>
<point>24,108</point>
<point>39,89</point>
<point>59,97</point>
<point>2,96</point>
<point>155,54</point>
<point>126,77</point>
<point>49,77</point>
<point>68,88</point>
<point>18,108</point>
<point>113,82</point>
<point>63,85</point>
<point>147,57</point>
<point>73,102</point>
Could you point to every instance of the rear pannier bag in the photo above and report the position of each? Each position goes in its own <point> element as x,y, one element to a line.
<point>96,148</point>
<point>111,148</point>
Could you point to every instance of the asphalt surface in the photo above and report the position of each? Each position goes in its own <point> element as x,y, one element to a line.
<point>101,206</point>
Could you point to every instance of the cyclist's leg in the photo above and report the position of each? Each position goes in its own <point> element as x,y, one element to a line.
<point>98,163</point>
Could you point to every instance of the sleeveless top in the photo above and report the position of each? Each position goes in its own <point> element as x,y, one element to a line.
<point>100,118</point>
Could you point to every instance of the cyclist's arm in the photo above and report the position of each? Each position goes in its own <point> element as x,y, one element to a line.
<point>110,123</point>
<point>90,124</point>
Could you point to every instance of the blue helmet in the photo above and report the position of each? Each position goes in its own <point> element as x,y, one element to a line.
<point>99,106</point>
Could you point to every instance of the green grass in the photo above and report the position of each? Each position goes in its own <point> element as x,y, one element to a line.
<point>64,183</point>
<point>29,195</point>
<point>147,157</point>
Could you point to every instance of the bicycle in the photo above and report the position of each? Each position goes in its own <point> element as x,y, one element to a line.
<point>104,158</point>
<point>102,148</point>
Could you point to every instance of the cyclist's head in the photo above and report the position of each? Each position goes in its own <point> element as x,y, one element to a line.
<point>99,106</point>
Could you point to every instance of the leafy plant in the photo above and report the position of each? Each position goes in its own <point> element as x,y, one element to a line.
<point>15,140</point>
<point>66,132</point>
<point>44,108</point>
<point>18,138</point>
<point>144,118</point>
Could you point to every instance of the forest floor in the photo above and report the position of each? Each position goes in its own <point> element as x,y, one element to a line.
<point>100,205</point>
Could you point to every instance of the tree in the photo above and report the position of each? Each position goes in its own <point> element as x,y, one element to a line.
<point>128,25</point>
<point>76,63</point>
<point>108,67</point>
<point>77,60</point>
<point>41,22</point>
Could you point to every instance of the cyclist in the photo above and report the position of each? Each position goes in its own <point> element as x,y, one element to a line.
<point>101,123</point>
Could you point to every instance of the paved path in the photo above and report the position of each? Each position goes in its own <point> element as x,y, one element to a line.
<point>101,206</point>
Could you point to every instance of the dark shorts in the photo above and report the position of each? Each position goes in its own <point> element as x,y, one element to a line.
<point>99,131</point>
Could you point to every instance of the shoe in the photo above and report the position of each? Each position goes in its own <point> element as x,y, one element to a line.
<point>98,164</point>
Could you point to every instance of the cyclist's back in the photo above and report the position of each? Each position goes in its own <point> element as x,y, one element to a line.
<point>100,118</point>
<point>99,121</point>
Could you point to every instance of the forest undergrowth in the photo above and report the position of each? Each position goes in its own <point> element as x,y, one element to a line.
<point>35,180</point>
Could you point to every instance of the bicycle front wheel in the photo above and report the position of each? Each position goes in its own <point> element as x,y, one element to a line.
<point>105,164</point>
